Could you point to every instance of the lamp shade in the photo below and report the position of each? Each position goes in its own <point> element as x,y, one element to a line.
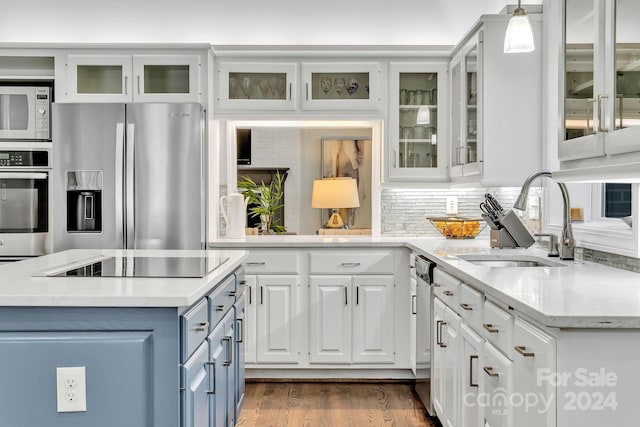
<point>331,193</point>
<point>519,35</point>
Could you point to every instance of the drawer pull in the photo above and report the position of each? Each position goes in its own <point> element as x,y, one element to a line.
<point>448,293</point>
<point>522,350</point>
<point>490,328</point>
<point>256,263</point>
<point>203,327</point>
<point>232,293</point>
<point>490,372</point>
<point>350,264</point>
<point>436,285</point>
<point>466,306</point>
<point>471,359</point>
<point>219,307</point>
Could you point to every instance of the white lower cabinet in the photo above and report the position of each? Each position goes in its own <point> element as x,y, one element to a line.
<point>535,356</point>
<point>351,319</point>
<point>471,377</point>
<point>489,375</point>
<point>498,387</point>
<point>277,312</point>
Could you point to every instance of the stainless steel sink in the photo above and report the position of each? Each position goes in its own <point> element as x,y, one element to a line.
<point>510,261</point>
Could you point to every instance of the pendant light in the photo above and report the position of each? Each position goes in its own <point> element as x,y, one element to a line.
<point>519,35</point>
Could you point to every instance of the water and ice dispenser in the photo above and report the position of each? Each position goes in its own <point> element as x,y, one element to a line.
<point>84,201</point>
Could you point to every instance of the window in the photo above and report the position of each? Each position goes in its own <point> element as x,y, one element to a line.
<point>616,200</point>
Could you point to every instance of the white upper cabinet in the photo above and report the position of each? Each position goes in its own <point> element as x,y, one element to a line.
<point>496,107</point>
<point>132,78</point>
<point>256,85</point>
<point>341,86</point>
<point>601,84</point>
<point>417,147</point>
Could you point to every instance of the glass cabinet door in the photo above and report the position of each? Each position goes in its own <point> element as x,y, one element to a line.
<point>601,78</point>
<point>99,77</point>
<point>257,86</point>
<point>471,151</point>
<point>339,86</point>
<point>417,121</point>
<point>166,78</point>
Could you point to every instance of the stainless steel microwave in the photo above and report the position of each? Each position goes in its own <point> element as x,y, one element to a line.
<point>25,113</point>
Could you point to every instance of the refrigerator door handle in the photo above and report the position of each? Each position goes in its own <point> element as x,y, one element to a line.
<point>130,181</point>
<point>119,207</point>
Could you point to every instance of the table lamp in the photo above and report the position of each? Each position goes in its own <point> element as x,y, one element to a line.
<point>335,193</point>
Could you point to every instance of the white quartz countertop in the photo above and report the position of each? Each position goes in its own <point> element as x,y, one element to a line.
<point>579,295</point>
<point>19,286</point>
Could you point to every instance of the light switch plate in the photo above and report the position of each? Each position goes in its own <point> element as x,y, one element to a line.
<point>451,205</point>
<point>71,389</point>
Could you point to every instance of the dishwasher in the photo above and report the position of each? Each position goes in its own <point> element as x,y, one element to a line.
<point>423,308</point>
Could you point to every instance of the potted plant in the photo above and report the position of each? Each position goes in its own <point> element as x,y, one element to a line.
<point>264,201</point>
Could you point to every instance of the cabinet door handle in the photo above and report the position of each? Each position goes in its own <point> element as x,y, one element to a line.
<point>413,304</point>
<point>357,295</point>
<point>466,306</point>
<point>600,110</point>
<point>490,372</point>
<point>346,300</point>
<point>350,264</point>
<point>229,341</point>
<point>138,81</point>
<point>240,326</point>
<point>471,359</point>
<point>306,91</point>
<point>522,350</point>
<point>590,102</point>
<point>440,342</point>
<point>438,330</point>
<point>250,288</point>
<point>448,293</point>
<point>490,328</point>
<point>255,263</point>
<point>126,84</point>
<point>261,296</point>
<point>290,90</point>
<point>212,369</point>
<point>203,327</point>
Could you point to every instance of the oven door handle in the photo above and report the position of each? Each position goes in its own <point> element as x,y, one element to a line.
<point>23,175</point>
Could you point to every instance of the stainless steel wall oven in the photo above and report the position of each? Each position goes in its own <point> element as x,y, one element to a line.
<point>24,202</point>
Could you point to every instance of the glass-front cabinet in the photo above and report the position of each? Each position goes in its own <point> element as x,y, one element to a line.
<point>257,86</point>
<point>132,78</point>
<point>417,147</point>
<point>601,78</point>
<point>466,137</point>
<point>341,86</point>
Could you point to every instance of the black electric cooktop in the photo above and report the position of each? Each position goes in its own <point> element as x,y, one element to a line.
<point>137,266</point>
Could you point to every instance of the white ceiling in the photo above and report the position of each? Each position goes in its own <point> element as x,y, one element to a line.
<point>244,22</point>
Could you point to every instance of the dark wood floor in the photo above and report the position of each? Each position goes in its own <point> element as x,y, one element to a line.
<point>332,405</point>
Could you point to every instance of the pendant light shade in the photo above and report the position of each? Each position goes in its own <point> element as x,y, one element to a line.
<point>519,35</point>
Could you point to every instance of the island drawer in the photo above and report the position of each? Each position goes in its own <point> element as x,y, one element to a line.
<point>272,263</point>
<point>221,300</point>
<point>357,262</point>
<point>447,288</point>
<point>470,306</point>
<point>194,327</point>
<point>497,327</point>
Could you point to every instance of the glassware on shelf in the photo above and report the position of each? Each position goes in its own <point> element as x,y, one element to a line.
<point>404,97</point>
<point>407,132</point>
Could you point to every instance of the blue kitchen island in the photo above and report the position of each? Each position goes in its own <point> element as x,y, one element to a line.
<point>148,350</point>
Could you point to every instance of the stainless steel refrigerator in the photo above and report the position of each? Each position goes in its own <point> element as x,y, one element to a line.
<point>128,176</point>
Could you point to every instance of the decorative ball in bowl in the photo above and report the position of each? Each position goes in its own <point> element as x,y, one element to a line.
<point>458,227</point>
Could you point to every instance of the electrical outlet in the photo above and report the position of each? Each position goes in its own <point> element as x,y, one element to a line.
<point>451,205</point>
<point>71,389</point>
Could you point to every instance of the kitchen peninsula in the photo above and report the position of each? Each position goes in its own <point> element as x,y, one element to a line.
<point>146,350</point>
<point>564,332</point>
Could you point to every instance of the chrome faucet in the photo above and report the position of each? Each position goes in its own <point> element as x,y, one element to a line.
<point>567,243</point>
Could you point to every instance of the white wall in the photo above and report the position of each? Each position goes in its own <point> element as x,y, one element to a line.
<point>252,22</point>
